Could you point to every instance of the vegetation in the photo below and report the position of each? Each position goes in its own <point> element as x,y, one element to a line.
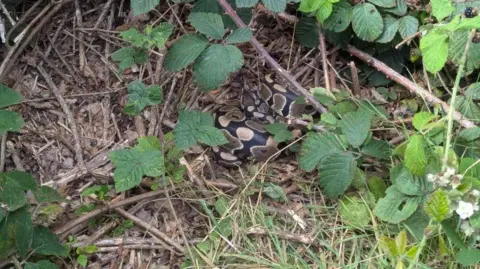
<point>413,203</point>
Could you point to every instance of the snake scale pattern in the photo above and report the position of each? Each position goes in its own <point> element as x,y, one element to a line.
<point>243,122</point>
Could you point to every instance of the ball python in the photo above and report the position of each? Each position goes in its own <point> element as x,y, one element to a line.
<point>243,122</point>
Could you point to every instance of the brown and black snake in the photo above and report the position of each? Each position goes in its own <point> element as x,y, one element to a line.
<point>243,122</point>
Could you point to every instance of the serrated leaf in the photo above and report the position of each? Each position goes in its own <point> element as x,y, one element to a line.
<point>82,260</point>
<point>8,96</point>
<point>388,245</point>
<point>383,3</point>
<point>275,192</point>
<point>367,22</point>
<point>356,125</point>
<point>46,194</point>
<point>469,134</point>
<point>143,6</point>
<point>324,11</point>
<point>378,148</point>
<point>417,223</point>
<point>473,91</point>
<point>43,264</point>
<point>390,28</point>
<point>456,46</point>
<point>10,122</point>
<point>400,8</point>
<point>336,173</point>
<point>468,257</point>
<point>21,225</point>
<point>315,147</point>
<point>415,159</point>
<point>354,212</point>
<point>377,187</point>
<point>405,182</point>
<point>467,107</point>
<point>209,24</point>
<point>128,56</point>
<point>401,242</point>
<point>245,3</point>
<point>159,35</point>
<point>239,35</point>
<point>207,6</point>
<point>46,242</point>
<point>407,26</point>
<point>340,18</point>
<point>395,206</point>
<point>422,120</point>
<point>306,32</point>
<point>308,6</point>
<point>195,125</point>
<point>139,96</point>
<point>133,36</point>
<point>437,206</point>
<point>132,164</point>
<point>185,51</point>
<point>447,226</point>
<point>280,132</point>
<point>215,64</point>
<point>441,8</point>
<point>13,185</point>
<point>275,5</point>
<point>149,142</point>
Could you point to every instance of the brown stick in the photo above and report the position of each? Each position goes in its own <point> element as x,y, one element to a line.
<point>392,74</point>
<point>264,54</point>
<point>323,51</point>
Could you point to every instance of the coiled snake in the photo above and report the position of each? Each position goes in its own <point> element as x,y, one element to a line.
<point>244,123</point>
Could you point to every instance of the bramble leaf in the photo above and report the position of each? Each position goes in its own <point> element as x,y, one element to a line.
<point>441,8</point>
<point>209,24</point>
<point>390,28</point>
<point>415,159</point>
<point>13,185</point>
<point>356,125</point>
<point>315,147</point>
<point>45,194</point>
<point>336,173</point>
<point>43,264</point>
<point>324,11</point>
<point>239,35</point>
<point>354,211</point>
<point>280,132</point>
<point>377,148</point>
<point>10,122</point>
<point>383,3</point>
<point>437,206</point>
<point>340,18</point>
<point>407,26</point>
<point>8,96</point>
<point>422,120</point>
<point>139,96</point>
<point>275,5</point>
<point>308,6</point>
<point>367,22</point>
<point>396,206</point>
<point>468,257</point>
<point>434,49</point>
<point>195,125</point>
<point>185,51</point>
<point>45,242</point>
<point>306,32</point>
<point>143,6</point>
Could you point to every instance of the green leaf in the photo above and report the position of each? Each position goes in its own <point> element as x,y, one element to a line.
<point>275,5</point>
<point>400,8</point>
<point>139,96</point>
<point>315,147</point>
<point>132,164</point>
<point>215,64</point>
<point>447,226</point>
<point>383,3</point>
<point>280,132</point>
<point>441,8</point>
<point>473,91</point>
<point>82,260</point>
<point>149,142</point>
<point>207,6</point>
<point>324,12</point>
<point>437,206</point>
<point>356,125</point>
<point>239,35</point>
<point>221,205</point>
<point>417,223</point>
<point>415,159</point>
<point>308,6</point>
<point>456,46</point>
<point>377,187</point>
<point>378,148</point>
<point>245,3</point>
<point>422,120</point>
<point>306,32</point>
<point>340,18</point>
<point>160,34</point>
<point>388,245</point>
<point>128,56</point>
<point>468,257</point>
<point>401,242</point>
<point>142,6</point>
<point>133,36</point>
<point>195,125</point>
<point>185,51</point>
<point>209,24</point>
<point>396,207</point>
<point>367,22</point>
<point>354,212</point>
<point>10,121</point>
<point>46,194</point>
<point>43,264</point>
<point>434,49</point>
<point>407,26</point>
<point>390,28</point>
<point>275,192</point>
<point>8,96</point>
<point>21,224</point>
<point>47,243</point>
<point>13,185</point>
<point>405,182</point>
<point>336,173</point>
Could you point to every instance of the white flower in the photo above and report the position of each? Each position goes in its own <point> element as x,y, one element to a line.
<point>431,177</point>
<point>467,229</point>
<point>456,181</point>
<point>475,193</point>
<point>450,172</point>
<point>465,209</point>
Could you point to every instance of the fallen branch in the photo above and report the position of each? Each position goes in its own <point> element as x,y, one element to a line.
<point>264,54</point>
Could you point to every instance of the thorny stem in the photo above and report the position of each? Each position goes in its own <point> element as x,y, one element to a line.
<point>461,67</point>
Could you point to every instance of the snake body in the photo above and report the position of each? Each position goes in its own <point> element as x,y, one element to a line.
<point>243,122</point>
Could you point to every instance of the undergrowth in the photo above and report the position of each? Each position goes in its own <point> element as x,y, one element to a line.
<point>421,213</point>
